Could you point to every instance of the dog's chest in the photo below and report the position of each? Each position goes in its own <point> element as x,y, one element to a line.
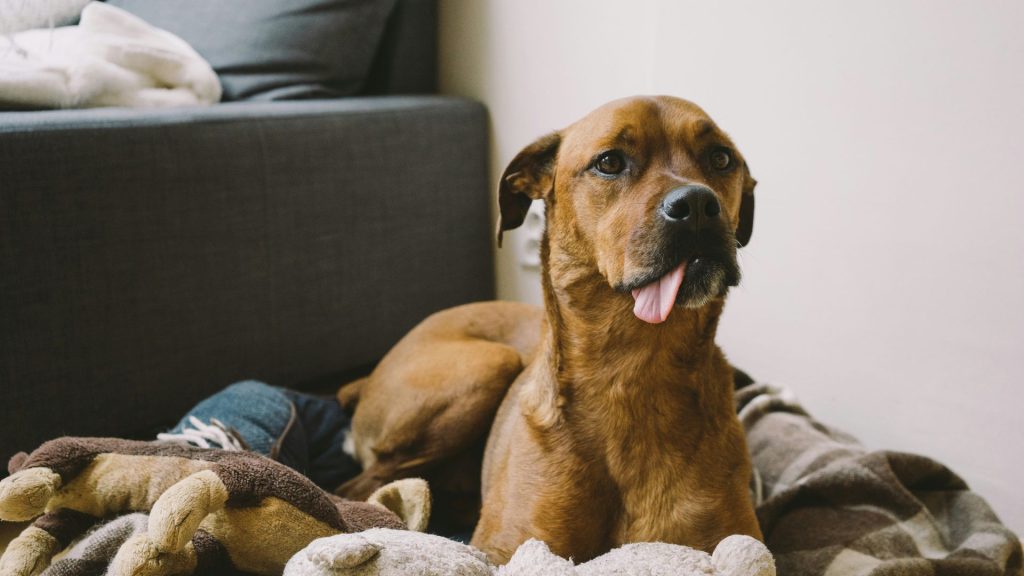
<point>656,491</point>
<point>653,458</point>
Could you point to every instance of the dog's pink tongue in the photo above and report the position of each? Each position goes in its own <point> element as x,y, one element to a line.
<point>655,300</point>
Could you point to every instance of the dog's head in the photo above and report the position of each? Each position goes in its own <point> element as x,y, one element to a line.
<point>648,192</point>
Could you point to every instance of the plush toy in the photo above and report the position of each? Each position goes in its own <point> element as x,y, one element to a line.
<point>218,510</point>
<point>388,553</point>
<point>384,552</point>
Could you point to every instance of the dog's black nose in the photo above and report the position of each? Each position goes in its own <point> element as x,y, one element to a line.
<point>692,204</point>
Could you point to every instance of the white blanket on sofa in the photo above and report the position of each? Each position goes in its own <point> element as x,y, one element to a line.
<point>111,58</point>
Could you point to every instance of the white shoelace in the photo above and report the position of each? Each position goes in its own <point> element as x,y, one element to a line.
<point>202,435</point>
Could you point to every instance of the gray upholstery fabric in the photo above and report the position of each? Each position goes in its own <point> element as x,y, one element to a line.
<point>149,258</point>
<point>274,49</point>
<point>406,61</point>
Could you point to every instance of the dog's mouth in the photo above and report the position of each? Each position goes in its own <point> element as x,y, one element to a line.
<point>691,284</point>
<point>654,301</point>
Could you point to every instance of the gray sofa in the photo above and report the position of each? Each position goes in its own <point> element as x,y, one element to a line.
<point>149,258</point>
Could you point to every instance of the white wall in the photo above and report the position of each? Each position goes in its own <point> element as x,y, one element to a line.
<point>885,278</point>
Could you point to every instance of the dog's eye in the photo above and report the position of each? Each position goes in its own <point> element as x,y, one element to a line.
<point>721,159</point>
<point>610,163</point>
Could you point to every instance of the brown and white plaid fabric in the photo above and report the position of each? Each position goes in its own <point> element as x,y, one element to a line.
<point>830,507</point>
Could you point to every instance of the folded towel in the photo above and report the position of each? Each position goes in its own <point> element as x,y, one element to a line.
<point>111,58</point>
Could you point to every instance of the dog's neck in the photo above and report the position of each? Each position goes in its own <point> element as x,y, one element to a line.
<point>591,324</point>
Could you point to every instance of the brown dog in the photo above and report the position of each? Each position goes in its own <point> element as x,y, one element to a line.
<point>426,408</point>
<point>622,427</point>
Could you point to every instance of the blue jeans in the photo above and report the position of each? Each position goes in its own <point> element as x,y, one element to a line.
<point>303,431</point>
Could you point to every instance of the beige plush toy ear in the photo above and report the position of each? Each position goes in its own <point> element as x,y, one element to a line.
<point>742,556</point>
<point>409,499</point>
<point>351,552</point>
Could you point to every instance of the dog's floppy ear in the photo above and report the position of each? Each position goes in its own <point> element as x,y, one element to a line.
<point>745,227</point>
<point>528,177</point>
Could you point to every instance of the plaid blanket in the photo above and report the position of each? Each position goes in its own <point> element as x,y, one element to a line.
<point>830,507</point>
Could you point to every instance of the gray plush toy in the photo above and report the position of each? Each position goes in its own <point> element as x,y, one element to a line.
<point>384,552</point>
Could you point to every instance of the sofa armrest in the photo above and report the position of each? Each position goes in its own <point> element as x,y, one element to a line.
<point>149,258</point>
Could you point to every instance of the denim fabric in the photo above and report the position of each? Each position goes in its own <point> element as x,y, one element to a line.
<point>302,431</point>
<point>324,425</point>
<point>259,413</point>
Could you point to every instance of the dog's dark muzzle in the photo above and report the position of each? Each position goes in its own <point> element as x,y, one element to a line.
<point>689,227</point>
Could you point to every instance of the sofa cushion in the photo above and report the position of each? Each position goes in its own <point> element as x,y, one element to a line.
<point>274,50</point>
